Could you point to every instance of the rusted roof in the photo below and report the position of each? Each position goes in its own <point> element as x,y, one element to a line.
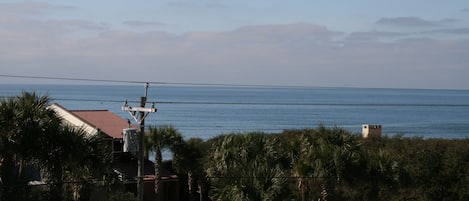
<point>106,121</point>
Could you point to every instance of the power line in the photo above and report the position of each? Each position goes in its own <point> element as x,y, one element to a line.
<point>260,103</point>
<point>68,78</point>
<point>150,82</point>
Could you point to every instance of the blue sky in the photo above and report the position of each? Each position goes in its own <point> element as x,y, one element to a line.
<point>362,43</point>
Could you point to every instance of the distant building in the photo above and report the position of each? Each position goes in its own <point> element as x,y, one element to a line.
<point>371,129</point>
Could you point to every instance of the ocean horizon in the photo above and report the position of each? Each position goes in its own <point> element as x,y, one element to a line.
<point>209,111</point>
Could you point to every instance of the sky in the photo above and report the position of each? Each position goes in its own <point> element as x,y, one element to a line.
<point>322,43</point>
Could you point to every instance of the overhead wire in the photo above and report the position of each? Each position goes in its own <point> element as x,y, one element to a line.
<point>214,102</point>
<point>68,78</point>
<point>260,103</point>
<point>149,82</point>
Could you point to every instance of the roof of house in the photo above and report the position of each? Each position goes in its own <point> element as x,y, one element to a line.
<point>106,121</point>
<point>103,120</point>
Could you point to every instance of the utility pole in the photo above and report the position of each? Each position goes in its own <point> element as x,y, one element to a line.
<point>140,119</point>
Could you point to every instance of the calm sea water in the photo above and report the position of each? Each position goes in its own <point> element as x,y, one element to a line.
<point>209,111</point>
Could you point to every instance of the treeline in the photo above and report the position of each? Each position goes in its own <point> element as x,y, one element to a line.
<point>325,164</point>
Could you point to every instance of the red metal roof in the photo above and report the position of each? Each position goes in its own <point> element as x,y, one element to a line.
<point>106,121</point>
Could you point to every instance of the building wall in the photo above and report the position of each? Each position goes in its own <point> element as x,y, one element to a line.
<point>73,120</point>
<point>371,129</point>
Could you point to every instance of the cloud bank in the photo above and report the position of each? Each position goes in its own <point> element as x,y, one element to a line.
<point>280,54</point>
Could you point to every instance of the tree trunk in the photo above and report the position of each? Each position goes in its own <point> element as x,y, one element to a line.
<point>20,169</point>
<point>158,164</point>
<point>201,190</point>
<point>56,187</point>
<point>191,184</point>
<point>203,183</point>
<point>304,190</point>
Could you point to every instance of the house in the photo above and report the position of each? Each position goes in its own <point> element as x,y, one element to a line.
<point>96,121</point>
<point>111,126</point>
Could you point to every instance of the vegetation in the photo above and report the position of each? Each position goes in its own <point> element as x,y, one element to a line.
<point>308,164</point>
<point>245,167</point>
<point>158,140</point>
<point>34,139</point>
<point>189,158</point>
<point>332,164</point>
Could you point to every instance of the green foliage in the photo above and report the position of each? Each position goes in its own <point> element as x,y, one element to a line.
<point>401,168</point>
<point>33,136</point>
<point>188,158</point>
<point>24,122</point>
<point>245,167</point>
<point>159,139</point>
<point>339,163</point>
<point>320,158</point>
<point>189,155</point>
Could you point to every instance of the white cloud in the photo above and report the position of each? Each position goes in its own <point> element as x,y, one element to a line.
<point>375,36</point>
<point>286,54</point>
<point>297,53</point>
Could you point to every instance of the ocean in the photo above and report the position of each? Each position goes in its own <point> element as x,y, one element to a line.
<point>208,111</point>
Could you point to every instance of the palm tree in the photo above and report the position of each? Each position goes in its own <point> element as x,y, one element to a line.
<point>61,161</point>
<point>53,161</point>
<point>300,147</point>
<point>320,156</point>
<point>336,151</point>
<point>32,134</point>
<point>379,167</point>
<point>189,158</point>
<point>23,119</point>
<point>7,149</point>
<point>158,140</point>
<point>245,167</point>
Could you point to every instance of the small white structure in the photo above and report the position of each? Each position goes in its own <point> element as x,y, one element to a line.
<point>371,129</point>
<point>130,140</point>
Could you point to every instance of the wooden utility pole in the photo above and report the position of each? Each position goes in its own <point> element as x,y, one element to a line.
<point>143,113</point>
